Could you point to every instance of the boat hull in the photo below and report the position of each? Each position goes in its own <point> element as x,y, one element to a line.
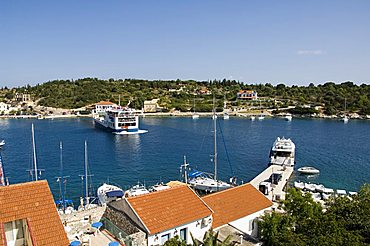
<point>100,124</point>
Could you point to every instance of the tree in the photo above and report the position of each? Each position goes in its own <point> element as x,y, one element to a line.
<point>211,239</point>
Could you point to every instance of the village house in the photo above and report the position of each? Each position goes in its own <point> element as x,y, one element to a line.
<point>4,108</point>
<point>151,106</point>
<point>203,91</point>
<point>247,95</point>
<point>28,216</point>
<point>238,207</point>
<point>103,106</point>
<point>22,97</point>
<point>162,215</point>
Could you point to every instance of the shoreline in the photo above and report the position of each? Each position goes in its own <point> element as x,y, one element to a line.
<point>184,114</point>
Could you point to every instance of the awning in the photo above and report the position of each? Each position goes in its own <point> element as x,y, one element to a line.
<point>115,193</point>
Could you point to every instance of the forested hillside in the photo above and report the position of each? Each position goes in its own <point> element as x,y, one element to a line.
<point>182,94</point>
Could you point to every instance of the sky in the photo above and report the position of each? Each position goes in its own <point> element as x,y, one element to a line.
<point>290,42</point>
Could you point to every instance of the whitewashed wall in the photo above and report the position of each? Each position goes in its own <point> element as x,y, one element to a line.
<point>195,227</point>
<point>245,224</point>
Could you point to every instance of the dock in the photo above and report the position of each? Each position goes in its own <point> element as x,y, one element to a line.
<point>278,190</point>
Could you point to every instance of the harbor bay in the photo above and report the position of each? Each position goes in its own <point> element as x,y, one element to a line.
<point>338,150</point>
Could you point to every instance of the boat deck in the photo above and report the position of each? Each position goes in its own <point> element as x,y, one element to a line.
<point>278,190</point>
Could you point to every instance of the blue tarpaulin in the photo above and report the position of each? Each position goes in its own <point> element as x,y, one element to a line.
<point>113,244</point>
<point>114,193</point>
<point>195,174</point>
<point>75,243</point>
<point>67,201</point>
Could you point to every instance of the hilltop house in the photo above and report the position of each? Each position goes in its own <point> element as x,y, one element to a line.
<point>161,215</point>
<point>239,207</point>
<point>247,95</point>
<point>22,97</point>
<point>28,216</point>
<point>203,91</point>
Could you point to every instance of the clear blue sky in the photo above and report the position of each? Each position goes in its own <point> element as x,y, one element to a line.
<point>294,42</point>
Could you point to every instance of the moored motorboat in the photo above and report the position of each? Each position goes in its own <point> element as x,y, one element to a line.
<point>253,118</point>
<point>308,170</point>
<point>288,117</point>
<point>136,190</point>
<point>2,143</point>
<point>282,152</point>
<point>108,193</point>
<point>298,185</point>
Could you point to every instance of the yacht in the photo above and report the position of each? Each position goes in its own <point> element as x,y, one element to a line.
<point>119,120</point>
<point>108,193</point>
<point>136,190</point>
<point>203,181</point>
<point>282,152</point>
<point>2,143</point>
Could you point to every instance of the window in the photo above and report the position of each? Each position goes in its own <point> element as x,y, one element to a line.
<point>183,233</point>
<point>15,233</point>
<point>165,238</point>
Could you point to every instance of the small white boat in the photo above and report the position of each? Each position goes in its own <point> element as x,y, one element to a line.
<point>108,193</point>
<point>341,192</point>
<point>288,117</point>
<point>226,116</point>
<point>159,187</point>
<point>253,118</point>
<point>345,119</point>
<point>320,188</point>
<point>136,190</point>
<point>298,185</point>
<point>261,117</point>
<point>310,187</point>
<point>195,116</point>
<point>2,143</point>
<point>352,193</point>
<point>308,170</point>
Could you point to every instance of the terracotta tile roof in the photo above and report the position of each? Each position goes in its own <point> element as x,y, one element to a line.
<point>235,203</point>
<point>105,103</point>
<point>163,210</point>
<point>33,202</point>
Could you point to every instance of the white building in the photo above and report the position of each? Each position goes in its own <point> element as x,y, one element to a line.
<point>104,105</point>
<point>165,214</point>
<point>4,108</point>
<point>151,106</point>
<point>239,207</point>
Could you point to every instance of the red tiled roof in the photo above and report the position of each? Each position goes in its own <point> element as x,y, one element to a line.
<point>163,210</point>
<point>246,91</point>
<point>235,203</point>
<point>33,202</point>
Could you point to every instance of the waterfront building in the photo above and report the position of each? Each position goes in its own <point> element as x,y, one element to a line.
<point>151,106</point>
<point>103,106</point>
<point>247,95</point>
<point>4,108</point>
<point>238,207</point>
<point>28,216</point>
<point>161,215</point>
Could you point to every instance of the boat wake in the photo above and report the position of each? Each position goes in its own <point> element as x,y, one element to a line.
<point>130,133</point>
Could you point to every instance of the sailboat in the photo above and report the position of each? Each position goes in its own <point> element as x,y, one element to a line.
<point>195,115</point>
<point>226,114</point>
<point>261,117</point>
<point>202,181</point>
<point>34,172</point>
<point>345,118</point>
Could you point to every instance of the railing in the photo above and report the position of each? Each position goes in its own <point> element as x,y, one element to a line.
<point>119,234</point>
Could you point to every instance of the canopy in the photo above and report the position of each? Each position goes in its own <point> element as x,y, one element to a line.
<point>58,202</point>
<point>115,193</point>
<point>195,174</point>
<point>113,244</point>
<point>97,224</point>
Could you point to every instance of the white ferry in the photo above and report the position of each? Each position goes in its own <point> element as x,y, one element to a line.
<point>282,152</point>
<point>117,119</point>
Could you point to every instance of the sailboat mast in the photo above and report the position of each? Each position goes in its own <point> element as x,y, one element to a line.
<point>62,177</point>
<point>34,152</point>
<point>86,177</point>
<point>215,138</point>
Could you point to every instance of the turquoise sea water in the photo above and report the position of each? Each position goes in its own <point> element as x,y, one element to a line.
<point>340,151</point>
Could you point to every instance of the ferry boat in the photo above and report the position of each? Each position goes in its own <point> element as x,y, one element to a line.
<point>118,120</point>
<point>282,152</point>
